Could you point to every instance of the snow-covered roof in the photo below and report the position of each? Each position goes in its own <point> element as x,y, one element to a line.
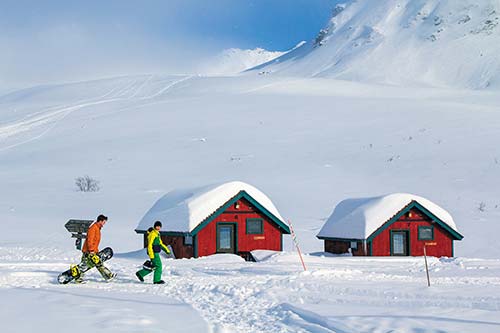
<point>359,218</point>
<point>183,210</point>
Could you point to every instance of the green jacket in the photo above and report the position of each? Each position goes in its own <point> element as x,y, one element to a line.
<point>155,243</point>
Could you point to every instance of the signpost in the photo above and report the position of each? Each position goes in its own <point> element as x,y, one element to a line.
<point>425,258</point>
<point>78,229</point>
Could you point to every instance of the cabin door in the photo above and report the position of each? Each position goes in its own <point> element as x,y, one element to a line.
<point>399,243</point>
<point>226,238</point>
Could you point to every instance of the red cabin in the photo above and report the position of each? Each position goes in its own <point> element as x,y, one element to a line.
<point>393,225</point>
<point>229,218</point>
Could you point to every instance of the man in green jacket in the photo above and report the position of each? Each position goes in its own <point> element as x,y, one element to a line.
<point>155,245</point>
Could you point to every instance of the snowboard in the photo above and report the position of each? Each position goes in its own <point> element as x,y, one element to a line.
<point>66,277</point>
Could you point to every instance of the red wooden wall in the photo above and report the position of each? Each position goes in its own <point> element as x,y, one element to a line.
<point>381,244</point>
<point>269,240</point>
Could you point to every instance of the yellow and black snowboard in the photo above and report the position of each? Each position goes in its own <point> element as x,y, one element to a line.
<point>76,271</point>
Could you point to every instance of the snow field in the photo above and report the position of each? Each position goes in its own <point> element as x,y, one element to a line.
<point>306,143</point>
<point>297,132</point>
<point>40,123</point>
<point>336,294</point>
<point>315,143</point>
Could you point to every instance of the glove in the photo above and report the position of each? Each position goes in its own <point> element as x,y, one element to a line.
<point>167,251</point>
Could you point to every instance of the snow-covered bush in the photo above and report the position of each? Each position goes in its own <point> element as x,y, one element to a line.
<point>87,184</point>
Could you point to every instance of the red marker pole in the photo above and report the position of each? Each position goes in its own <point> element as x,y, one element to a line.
<point>426,267</point>
<point>294,237</point>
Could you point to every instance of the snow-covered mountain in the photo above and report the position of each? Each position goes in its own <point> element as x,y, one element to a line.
<point>432,42</point>
<point>235,60</point>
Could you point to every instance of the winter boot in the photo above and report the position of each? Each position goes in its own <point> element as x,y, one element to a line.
<point>111,277</point>
<point>159,282</point>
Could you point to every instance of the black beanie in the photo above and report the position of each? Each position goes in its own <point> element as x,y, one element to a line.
<point>157,224</point>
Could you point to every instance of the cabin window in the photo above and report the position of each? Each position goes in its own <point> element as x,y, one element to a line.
<point>255,226</point>
<point>425,233</point>
<point>188,240</point>
<point>354,245</point>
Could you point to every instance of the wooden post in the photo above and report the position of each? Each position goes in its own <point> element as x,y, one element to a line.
<point>294,237</point>
<point>78,242</point>
<point>426,267</point>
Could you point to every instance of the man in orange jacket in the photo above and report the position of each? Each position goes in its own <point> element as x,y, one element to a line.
<point>91,248</point>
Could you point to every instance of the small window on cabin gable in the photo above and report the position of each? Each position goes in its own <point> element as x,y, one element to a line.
<point>425,233</point>
<point>188,240</point>
<point>354,245</point>
<point>255,226</point>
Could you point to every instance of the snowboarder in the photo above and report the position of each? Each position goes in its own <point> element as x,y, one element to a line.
<point>155,245</point>
<point>90,249</point>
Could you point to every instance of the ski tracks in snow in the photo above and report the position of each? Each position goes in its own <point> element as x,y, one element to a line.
<point>275,296</point>
<point>39,123</point>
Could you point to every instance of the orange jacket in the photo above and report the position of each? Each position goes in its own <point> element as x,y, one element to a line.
<point>93,239</point>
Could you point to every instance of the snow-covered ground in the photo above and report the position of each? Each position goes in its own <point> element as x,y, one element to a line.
<point>223,293</point>
<point>306,143</point>
<point>293,128</point>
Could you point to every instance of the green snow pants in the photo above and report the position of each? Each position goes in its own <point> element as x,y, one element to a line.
<point>158,269</point>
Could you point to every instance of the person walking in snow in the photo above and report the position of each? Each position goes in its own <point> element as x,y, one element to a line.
<point>155,245</point>
<point>90,250</point>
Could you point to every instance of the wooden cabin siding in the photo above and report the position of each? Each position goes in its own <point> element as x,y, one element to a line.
<point>270,239</point>
<point>381,244</point>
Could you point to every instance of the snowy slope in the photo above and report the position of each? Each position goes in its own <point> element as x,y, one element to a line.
<point>307,143</point>
<point>433,42</point>
<point>234,60</point>
<point>307,140</point>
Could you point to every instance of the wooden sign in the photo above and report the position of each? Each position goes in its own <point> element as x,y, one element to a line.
<point>78,229</point>
<point>78,226</point>
<point>259,237</point>
<point>431,244</point>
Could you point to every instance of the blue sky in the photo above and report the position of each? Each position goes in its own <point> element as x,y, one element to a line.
<point>47,41</point>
